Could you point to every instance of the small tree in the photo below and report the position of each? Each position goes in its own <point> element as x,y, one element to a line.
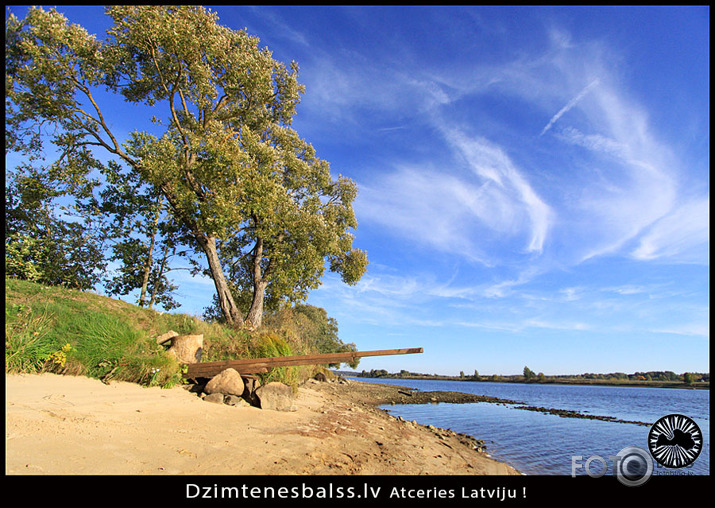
<point>529,374</point>
<point>143,239</point>
<point>51,243</point>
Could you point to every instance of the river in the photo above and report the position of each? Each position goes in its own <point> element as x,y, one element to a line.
<point>545,444</point>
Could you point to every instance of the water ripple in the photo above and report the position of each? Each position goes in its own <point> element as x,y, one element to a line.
<point>546,444</point>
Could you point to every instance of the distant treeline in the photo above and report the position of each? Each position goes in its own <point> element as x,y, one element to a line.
<point>668,377</point>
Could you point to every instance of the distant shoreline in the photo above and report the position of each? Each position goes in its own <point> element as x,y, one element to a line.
<point>547,381</point>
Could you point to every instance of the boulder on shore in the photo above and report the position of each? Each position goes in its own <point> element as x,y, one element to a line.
<point>216,398</point>
<point>275,396</point>
<point>187,348</point>
<point>228,382</point>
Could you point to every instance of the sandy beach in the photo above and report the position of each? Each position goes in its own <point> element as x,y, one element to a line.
<point>65,425</point>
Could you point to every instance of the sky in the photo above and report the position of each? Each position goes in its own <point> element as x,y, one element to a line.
<point>533,181</point>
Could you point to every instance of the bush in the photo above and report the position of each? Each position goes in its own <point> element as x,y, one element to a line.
<point>309,329</point>
<point>268,344</point>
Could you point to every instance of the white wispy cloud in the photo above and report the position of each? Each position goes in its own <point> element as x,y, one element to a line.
<point>423,206</point>
<point>279,28</point>
<point>491,163</point>
<point>626,184</point>
<point>626,290</point>
<point>690,329</point>
<point>624,179</point>
<point>525,324</point>
<point>570,105</point>
<point>593,142</point>
<point>683,235</point>
<point>616,192</point>
<point>480,195</point>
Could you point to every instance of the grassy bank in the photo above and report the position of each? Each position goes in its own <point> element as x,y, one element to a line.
<point>65,331</point>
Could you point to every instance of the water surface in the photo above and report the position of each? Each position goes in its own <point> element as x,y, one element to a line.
<point>537,443</point>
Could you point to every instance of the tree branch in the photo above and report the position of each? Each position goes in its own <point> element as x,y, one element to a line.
<point>169,94</point>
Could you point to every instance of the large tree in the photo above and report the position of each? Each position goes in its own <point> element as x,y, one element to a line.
<point>299,218</point>
<point>237,179</point>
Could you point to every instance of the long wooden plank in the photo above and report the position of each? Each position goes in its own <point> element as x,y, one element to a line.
<point>256,365</point>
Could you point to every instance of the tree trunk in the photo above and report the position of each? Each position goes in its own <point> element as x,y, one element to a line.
<point>254,319</point>
<point>159,275</point>
<point>149,261</point>
<point>230,310</point>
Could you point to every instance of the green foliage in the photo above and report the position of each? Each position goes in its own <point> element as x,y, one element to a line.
<point>54,252</point>
<point>69,332</point>
<point>55,329</point>
<point>239,185</point>
<point>41,247</point>
<point>375,373</point>
<point>270,344</point>
<point>143,236</point>
<point>19,259</point>
<point>298,217</point>
<point>311,328</point>
<point>27,346</point>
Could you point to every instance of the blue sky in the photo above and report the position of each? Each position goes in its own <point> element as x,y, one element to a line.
<point>534,181</point>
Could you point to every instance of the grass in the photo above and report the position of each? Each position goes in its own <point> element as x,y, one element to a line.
<point>65,331</point>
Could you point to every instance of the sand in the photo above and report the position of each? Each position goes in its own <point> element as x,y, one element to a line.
<point>65,425</point>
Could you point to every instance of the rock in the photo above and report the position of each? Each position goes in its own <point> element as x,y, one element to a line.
<point>251,383</point>
<point>275,396</point>
<point>228,382</point>
<point>166,336</point>
<point>187,348</point>
<point>320,376</point>
<point>216,398</point>
<point>232,400</point>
